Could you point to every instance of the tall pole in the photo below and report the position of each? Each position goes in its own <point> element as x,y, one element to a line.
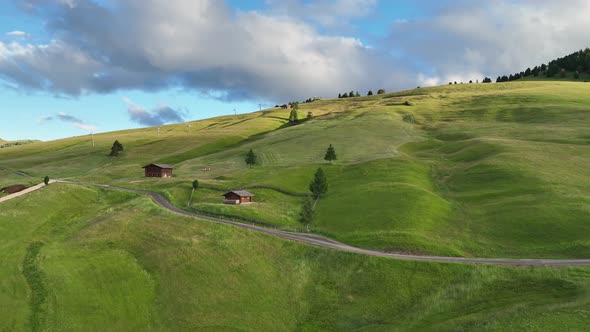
<point>260,107</point>
<point>92,136</point>
<point>158,131</point>
<point>235,112</point>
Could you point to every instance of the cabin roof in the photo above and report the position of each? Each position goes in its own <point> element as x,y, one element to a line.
<point>163,166</point>
<point>241,193</point>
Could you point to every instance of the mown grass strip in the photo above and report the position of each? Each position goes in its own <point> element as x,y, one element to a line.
<point>35,278</point>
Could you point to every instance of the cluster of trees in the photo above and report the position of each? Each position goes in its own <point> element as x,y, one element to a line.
<point>577,62</point>
<point>311,100</point>
<point>536,71</point>
<point>16,143</point>
<point>349,95</point>
<point>485,80</point>
<point>308,100</point>
<point>294,115</point>
<point>357,94</point>
<point>318,186</point>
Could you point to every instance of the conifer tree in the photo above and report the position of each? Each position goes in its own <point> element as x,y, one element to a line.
<point>307,213</point>
<point>330,154</point>
<point>251,158</point>
<point>319,185</point>
<point>116,148</point>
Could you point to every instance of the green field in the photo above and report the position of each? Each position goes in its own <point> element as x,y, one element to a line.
<point>474,170</point>
<point>494,170</point>
<point>103,260</point>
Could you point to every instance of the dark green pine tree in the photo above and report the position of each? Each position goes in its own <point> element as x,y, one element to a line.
<point>46,180</point>
<point>351,94</point>
<point>357,94</point>
<point>370,93</point>
<point>330,154</point>
<point>251,158</point>
<point>319,185</point>
<point>307,213</point>
<point>116,148</point>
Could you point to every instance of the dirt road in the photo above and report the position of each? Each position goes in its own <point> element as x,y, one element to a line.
<point>321,241</point>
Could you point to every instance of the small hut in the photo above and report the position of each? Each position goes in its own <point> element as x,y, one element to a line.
<point>238,197</point>
<point>158,171</point>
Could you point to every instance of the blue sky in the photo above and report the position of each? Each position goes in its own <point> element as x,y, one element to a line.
<point>70,67</point>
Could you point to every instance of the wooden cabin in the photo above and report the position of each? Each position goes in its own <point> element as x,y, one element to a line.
<point>13,189</point>
<point>238,197</point>
<point>158,171</point>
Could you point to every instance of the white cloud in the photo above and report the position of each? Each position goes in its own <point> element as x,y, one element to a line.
<point>280,55</point>
<point>492,38</point>
<point>160,115</point>
<point>85,127</point>
<point>201,45</point>
<point>67,118</point>
<point>329,13</point>
<point>17,33</point>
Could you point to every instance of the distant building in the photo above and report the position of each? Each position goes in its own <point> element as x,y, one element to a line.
<point>158,171</point>
<point>238,197</point>
<point>13,189</point>
<point>286,106</point>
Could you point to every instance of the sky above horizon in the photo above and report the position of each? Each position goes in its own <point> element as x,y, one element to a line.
<point>71,67</point>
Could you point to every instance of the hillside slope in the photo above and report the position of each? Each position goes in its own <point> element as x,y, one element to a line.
<point>488,170</point>
<point>473,170</point>
<point>79,258</point>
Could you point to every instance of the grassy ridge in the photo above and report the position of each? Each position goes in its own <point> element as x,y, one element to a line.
<point>121,263</point>
<point>490,170</point>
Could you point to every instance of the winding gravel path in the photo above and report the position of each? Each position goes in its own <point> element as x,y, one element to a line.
<point>324,242</point>
<point>320,241</point>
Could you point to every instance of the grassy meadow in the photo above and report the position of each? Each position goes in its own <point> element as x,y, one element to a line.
<point>482,170</point>
<point>488,170</point>
<point>79,258</point>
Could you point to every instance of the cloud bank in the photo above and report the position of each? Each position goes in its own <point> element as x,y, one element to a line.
<point>160,115</point>
<point>74,121</point>
<point>283,53</point>
<point>199,45</point>
<point>468,39</point>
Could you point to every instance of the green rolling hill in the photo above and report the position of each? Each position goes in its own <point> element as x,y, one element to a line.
<point>473,170</point>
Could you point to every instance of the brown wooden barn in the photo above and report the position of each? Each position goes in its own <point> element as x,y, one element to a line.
<point>158,171</point>
<point>238,197</point>
<point>13,189</point>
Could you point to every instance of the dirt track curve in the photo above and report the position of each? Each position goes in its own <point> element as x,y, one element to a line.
<point>324,242</point>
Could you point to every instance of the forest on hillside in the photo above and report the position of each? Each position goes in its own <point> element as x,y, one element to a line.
<point>577,63</point>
